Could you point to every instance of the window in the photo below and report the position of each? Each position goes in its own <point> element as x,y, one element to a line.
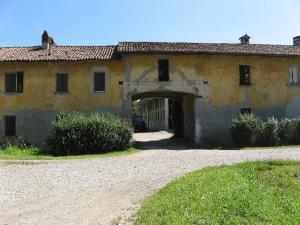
<point>99,81</point>
<point>294,75</point>
<point>14,82</point>
<point>61,82</point>
<point>244,75</point>
<point>10,125</point>
<point>245,111</point>
<point>163,70</point>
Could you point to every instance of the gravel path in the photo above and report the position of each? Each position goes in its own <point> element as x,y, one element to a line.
<point>104,190</point>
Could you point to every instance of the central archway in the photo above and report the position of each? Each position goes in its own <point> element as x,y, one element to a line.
<point>190,92</point>
<point>181,106</point>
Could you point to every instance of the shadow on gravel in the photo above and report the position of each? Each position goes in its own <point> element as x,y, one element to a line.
<point>164,140</point>
<point>178,144</point>
<point>165,144</point>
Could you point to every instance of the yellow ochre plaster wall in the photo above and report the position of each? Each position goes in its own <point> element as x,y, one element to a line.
<point>269,77</point>
<point>40,87</point>
<point>210,82</point>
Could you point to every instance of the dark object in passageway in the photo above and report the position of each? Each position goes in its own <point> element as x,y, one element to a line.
<point>177,118</point>
<point>139,124</point>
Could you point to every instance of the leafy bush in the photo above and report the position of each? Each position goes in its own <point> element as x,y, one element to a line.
<point>289,131</point>
<point>13,141</point>
<point>267,132</point>
<point>250,130</point>
<point>78,133</point>
<point>243,129</point>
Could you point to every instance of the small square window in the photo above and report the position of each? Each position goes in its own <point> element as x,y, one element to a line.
<point>10,125</point>
<point>245,111</point>
<point>99,81</point>
<point>61,82</point>
<point>14,82</point>
<point>294,73</point>
<point>245,75</point>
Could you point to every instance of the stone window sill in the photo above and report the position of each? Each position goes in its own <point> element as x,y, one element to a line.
<point>61,92</point>
<point>12,92</point>
<point>293,85</point>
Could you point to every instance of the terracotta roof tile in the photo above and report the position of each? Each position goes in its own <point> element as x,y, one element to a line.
<point>58,53</point>
<point>84,53</point>
<point>207,49</point>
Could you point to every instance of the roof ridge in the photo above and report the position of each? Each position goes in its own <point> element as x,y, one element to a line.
<point>37,46</point>
<point>202,43</point>
<point>86,45</point>
<point>151,42</point>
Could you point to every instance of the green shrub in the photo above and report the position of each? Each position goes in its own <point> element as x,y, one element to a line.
<point>78,133</point>
<point>250,130</point>
<point>267,132</point>
<point>243,129</point>
<point>289,131</point>
<point>13,141</point>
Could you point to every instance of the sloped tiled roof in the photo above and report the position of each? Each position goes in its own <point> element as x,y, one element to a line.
<point>114,52</point>
<point>58,53</point>
<point>207,49</point>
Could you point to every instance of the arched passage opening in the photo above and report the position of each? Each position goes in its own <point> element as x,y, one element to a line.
<point>168,111</point>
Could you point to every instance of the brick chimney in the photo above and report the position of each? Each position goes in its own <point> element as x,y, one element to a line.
<point>245,40</point>
<point>46,40</point>
<point>296,41</point>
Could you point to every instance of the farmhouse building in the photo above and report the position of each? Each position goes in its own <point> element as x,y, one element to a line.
<point>213,83</point>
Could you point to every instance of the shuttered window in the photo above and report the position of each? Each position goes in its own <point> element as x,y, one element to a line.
<point>294,73</point>
<point>245,75</point>
<point>61,82</point>
<point>99,81</point>
<point>14,82</point>
<point>163,70</point>
<point>10,125</point>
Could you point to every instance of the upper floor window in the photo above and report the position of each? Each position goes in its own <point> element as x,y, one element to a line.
<point>10,125</point>
<point>61,82</point>
<point>14,82</point>
<point>245,75</point>
<point>294,75</point>
<point>163,70</point>
<point>99,81</point>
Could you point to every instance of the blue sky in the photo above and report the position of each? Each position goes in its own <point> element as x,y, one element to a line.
<point>98,22</point>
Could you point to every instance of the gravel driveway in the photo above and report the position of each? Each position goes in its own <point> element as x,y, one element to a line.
<point>104,190</point>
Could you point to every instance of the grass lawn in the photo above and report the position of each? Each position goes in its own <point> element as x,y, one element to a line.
<point>266,192</point>
<point>271,147</point>
<point>14,153</point>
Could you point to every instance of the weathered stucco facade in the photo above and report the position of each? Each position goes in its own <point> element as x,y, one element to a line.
<point>213,83</point>
<point>208,85</point>
<point>39,103</point>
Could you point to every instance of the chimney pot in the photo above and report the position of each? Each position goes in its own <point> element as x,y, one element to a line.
<point>245,40</point>
<point>296,41</point>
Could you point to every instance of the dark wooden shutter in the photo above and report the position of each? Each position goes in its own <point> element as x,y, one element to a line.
<point>99,81</point>
<point>245,75</point>
<point>10,125</point>
<point>20,79</point>
<point>163,70</point>
<point>62,82</point>
<point>10,82</point>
